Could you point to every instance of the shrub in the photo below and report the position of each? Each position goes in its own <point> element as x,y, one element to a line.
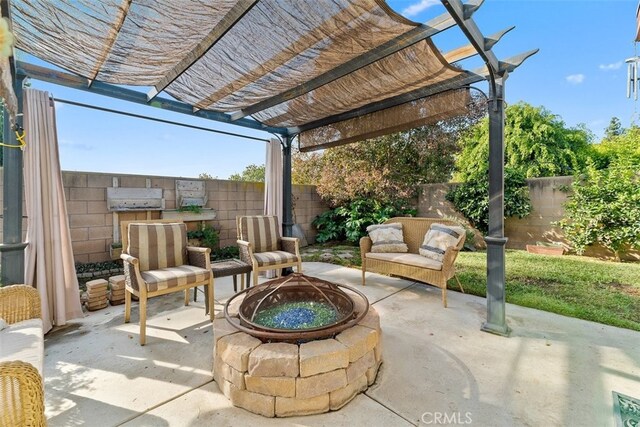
<point>471,198</point>
<point>207,235</point>
<point>350,222</point>
<point>604,208</point>
<point>227,252</point>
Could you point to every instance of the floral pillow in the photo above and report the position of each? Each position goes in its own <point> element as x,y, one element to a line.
<point>438,239</point>
<point>387,238</point>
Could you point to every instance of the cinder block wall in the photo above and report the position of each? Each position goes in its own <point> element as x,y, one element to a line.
<point>91,223</point>
<point>547,200</point>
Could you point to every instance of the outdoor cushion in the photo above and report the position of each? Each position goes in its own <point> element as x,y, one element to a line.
<point>274,258</point>
<point>262,231</point>
<point>387,238</point>
<point>23,341</point>
<point>159,245</point>
<point>174,276</point>
<point>413,260</point>
<point>438,239</point>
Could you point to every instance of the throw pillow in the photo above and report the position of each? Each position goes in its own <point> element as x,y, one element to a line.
<point>438,239</point>
<point>387,238</point>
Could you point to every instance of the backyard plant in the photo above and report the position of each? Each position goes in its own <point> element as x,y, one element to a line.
<point>207,235</point>
<point>471,198</point>
<point>604,208</point>
<point>190,208</point>
<point>349,222</point>
<point>226,252</point>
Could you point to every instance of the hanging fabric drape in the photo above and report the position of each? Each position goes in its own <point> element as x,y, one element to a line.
<point>273,184</point>
<point>49,263</point>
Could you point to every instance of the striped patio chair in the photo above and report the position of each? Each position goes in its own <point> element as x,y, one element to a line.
<point>157,261</point>
<point>262,247</point>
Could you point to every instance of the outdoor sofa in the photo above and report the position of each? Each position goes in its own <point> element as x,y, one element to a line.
<point>21,357</point>
<point>412,265</point>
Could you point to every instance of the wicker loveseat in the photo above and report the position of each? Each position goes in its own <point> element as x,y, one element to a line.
<point>412,265</point>
<point>21,358</point>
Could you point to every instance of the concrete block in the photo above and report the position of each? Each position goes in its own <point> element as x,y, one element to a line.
<point>287,407</point>
<point>339,398</point>
<point>272,386</point>
<point>359,340</point>
<point>234,349</point>
<point>274,360</point>
<point>254,402</point>
<point>360,366</point>
<point>321,356</point>
<point>320,384</point>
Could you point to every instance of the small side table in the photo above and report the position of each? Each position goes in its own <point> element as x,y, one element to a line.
<point>225,268</point>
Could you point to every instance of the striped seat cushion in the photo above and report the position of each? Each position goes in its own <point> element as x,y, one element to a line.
<point>261,231</point>
<point>274,258</point>
<point>172,277</point>
<point>438,239</point>
<point>158,245</point>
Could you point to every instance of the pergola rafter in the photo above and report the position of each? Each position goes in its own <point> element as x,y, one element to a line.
<point>297,67</point>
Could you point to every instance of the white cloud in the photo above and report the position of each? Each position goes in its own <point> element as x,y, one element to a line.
<point>72,145</point>
<point>610,67</point>
<point>575,79</point>
<point>418,7</point>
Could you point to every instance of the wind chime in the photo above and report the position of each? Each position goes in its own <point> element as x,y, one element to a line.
<point>632,77</point>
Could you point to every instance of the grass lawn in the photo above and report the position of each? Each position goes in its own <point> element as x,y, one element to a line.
<point>586,288</point>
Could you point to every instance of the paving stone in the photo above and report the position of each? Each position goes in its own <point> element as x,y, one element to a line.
<point>97,284</point>
<point>272,386</point>
<point>319,384</point>
<point>287,407</point>
<point>371,319</point>
<point>234,349</point>
<point>321,356</point>
<point>222,328</point>
<point>222,372</point>
<point>274,360</point>
<point>360,366</point>
<point>359,340</point>
<point>254,402</point>
<point>340,397</point>
<point>372,373</point>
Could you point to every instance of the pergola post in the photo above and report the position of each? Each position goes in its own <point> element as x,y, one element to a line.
<point>287,196</point>
<point>496,321</point>
<point>12,247</point>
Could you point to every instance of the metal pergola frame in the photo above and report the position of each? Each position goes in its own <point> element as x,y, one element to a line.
<point>458,14</point>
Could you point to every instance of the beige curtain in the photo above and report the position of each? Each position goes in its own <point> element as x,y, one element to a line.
<point>49,264</point>
<point>273,185</point>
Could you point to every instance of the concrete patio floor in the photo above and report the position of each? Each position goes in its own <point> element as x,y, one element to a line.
<point>438,365</point>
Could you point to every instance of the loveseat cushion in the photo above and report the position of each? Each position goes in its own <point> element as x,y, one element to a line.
<point>274,258</point>
<point>387,238</point>
<point>413,260</point>
<point>158,245</point>
<point>23,341</point>
<point>172,277</point>
<point>438,239</point>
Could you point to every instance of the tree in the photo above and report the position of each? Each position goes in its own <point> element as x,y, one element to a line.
<point>604,208</point>
<point>537,144</point>
<point>471,198</point>
<point>252,173</point>
<point>623,146</point>
<point>614,129</point>
<point>206,175</point>
<point>387,169</point>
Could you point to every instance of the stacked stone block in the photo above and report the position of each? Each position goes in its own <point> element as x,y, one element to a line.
<point>97,294</point>
<point>282,380</point>
<point>116,290</point>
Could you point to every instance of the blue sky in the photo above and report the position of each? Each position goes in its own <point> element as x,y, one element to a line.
<point>578,74</point>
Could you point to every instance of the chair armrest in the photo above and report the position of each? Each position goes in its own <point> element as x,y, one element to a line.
<point>291,245</point>
<point>365,246</point>
<point>132,277</point>
<point>19,302</point>
<point>199,257</point>
<point>23,402</point>
<point>448,260</point>
<point>246,251</point>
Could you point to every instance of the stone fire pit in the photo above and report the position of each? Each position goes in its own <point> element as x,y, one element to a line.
<point>282,379</point>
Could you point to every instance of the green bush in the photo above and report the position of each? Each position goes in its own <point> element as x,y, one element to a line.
<point>471,198</point>
<point>207,235</point>
<point>350,222</point>
<point>227,252</point>
<point>604,208</point>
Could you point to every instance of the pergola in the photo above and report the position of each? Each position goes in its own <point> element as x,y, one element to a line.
<point>328,72</point>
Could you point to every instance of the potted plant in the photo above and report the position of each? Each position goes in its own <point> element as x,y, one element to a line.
<point>115,250</point>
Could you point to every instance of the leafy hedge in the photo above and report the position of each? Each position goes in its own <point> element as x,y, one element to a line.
<point>350,222</point>
<point>471,198</point>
